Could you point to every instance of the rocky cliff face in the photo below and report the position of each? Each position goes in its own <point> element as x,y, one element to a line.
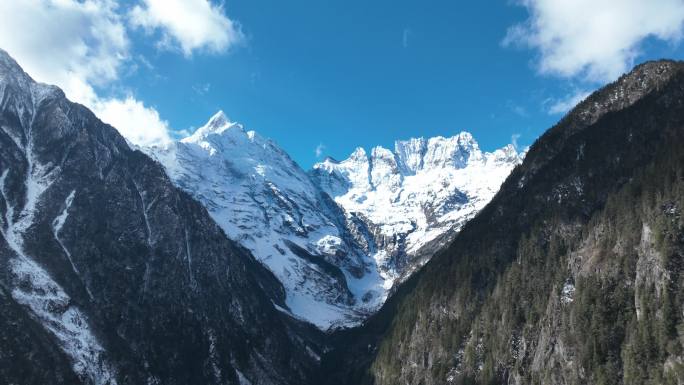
<point>572,274</point>
<point>340,236</point>
<point>110,274</point>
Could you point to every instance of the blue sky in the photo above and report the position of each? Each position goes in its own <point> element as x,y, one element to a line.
<point>341,74</point>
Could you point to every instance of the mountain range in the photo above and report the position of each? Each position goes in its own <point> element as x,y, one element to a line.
<point>218,260</point>
<point>339,236</point>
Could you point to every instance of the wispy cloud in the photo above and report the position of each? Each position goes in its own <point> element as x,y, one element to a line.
<point>319,150</point>
<point>405,36</point>
<point>142,59</point>
<point>517,109</point>
<point>566,103</point>
<point>514,141</point>
<point>202,89</point>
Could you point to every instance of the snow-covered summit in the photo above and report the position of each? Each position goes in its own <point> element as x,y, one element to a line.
<point>339,236</point>
<point>19,89</point>
<point>265,201</point>
<point>216,126</point>
<point>416,197</point>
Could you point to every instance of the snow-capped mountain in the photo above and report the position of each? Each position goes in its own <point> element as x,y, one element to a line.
<point>341,235</point>
<point>111,274</point>
<point>415,198</point>
<point>265,201</point>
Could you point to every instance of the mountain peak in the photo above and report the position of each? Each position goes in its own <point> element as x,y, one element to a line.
<point>465,137</point>
<point>17,88</point>
<point>217,125</point>
<point>330,159</point>
<point>359,154</point>
<point>381,152</point>
<point>219,119</point>
<point>7,63</point>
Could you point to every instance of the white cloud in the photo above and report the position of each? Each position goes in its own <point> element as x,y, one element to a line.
<point>184,133</point>
<point>194,24</point>
<point>72,44</point>
<point>561,106</point>
<point>595,39</point>
<point>129,116</point>
<point>319,150</point>
<point>79,45</point>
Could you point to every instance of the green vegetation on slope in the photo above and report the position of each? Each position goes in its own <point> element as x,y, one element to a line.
<point>572,275</point>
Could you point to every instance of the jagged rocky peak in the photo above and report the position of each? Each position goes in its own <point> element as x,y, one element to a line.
<point>507,153</point>
<point>455,151</point>
<point>384,169</point>
<point>359,154</point>
<point>409,157</point>
<point>218,120</point>
<point>410,154</point>
<point>352,172</point>
<point>218,126</point>
<point>418,154</point>
<point>13,80</point>
<point>245,151</point>
<point>415,198</point>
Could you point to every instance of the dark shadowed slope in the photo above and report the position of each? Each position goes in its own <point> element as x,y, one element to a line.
<point>109,274</point>
<point>571,275</point>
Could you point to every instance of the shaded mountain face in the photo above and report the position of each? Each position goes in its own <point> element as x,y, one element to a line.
<point>340,236</point>
<point>572,274</point>
<point>110,274</point>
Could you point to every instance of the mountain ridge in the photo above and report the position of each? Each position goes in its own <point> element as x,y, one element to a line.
<point>110,274</point>
<point>322,252</point>
<point>571,274</point>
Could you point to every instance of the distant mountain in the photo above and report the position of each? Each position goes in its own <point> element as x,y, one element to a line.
<point>405,205</point>
<point>340,236</point>
<point>110,274</point>
<point>572,274</point>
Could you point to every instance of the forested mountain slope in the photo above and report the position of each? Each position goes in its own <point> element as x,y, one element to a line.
<point>571,275</point>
